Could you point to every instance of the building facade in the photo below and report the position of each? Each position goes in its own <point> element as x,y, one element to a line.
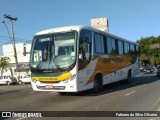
<point>23,61</point>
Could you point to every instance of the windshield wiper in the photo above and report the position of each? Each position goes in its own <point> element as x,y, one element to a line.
<point>52,58</point>
<point>57,66</point>
<point>38,66</point>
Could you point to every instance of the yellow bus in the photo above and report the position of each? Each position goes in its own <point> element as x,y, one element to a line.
<point>78,58</point>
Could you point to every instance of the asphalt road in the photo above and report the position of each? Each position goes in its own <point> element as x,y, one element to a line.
<point>142,94</point>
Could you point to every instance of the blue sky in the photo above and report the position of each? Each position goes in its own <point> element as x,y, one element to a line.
<point>130,19</point>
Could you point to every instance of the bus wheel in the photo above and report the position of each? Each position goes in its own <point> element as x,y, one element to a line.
<point>67,93</point>
<point>63,93</point>
<point>129,77</point>
<point>97,85</point>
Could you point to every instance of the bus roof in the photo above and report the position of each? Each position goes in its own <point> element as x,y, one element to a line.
<point>78,28</point>
<point>62,29</point>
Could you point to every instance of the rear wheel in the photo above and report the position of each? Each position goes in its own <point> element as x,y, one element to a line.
<point>62,93</point>
<point>20,82</point>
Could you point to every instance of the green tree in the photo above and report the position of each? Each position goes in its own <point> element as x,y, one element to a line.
<point>4,62</point>
<point>148,53</point>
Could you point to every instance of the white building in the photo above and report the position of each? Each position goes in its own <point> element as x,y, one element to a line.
<point>23,61</point>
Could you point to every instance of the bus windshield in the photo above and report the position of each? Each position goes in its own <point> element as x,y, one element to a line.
<point>54,51</point>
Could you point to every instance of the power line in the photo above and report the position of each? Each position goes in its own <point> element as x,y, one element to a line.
<point>5,43</point>
<point>24,26</point>
<point>15,38</point>
<point>16,43</point>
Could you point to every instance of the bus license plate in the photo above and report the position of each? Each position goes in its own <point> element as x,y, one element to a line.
<point>49,87</point>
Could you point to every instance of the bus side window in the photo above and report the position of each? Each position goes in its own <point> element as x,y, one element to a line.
<point>99,43</point>
<point>111,46</point>
<point>137,50</point>
<point>132,49</point>
<point>120,47</point>
<point>126,48</point>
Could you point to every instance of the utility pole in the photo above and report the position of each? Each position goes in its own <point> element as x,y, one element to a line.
<point>13,39</point>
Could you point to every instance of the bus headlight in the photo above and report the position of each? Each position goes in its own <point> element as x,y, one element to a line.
<point>33,80</point>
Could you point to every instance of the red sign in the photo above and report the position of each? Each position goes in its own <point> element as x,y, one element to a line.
<point>49,87</point>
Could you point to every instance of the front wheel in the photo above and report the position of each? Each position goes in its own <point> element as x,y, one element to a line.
<point>97,85</point>
<point>8,83</point>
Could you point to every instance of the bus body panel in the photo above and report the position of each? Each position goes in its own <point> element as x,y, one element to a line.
<point>111,73</point>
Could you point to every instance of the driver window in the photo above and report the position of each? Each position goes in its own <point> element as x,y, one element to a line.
<point>85,48</point>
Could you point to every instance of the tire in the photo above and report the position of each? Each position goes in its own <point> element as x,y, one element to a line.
<point>8,83</point>
<point>20,82</point>
<point>129,77</point>
<point>97,85</point>
<point>67,93</point>
<point>62,93</point>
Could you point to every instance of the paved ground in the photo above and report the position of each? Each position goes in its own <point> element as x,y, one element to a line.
<point>142,94</point>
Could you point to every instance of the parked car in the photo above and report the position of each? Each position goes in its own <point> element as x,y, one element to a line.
<point>25,79</point>
<point>6,79</point>
<point>148,69</point>
<point>158,71</point>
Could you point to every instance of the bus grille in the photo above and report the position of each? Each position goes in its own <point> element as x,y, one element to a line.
<point>49,81</point>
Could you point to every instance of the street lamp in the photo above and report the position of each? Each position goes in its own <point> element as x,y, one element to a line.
<point>7,29</point>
